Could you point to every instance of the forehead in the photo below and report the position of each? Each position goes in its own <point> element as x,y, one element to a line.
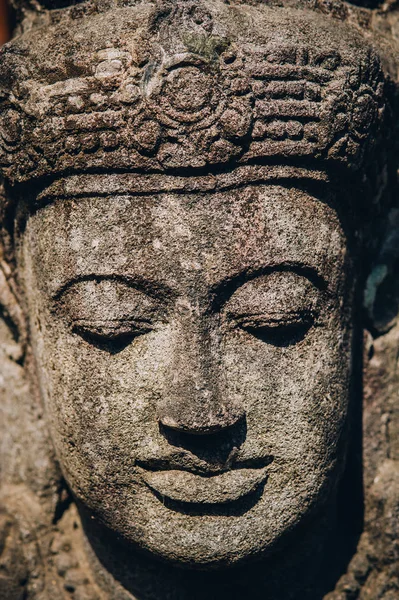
<point>172,237</point>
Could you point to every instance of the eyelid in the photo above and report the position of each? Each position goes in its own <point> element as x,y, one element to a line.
<point>225,290</point>
<point>272,320</point>
<point>111,328</point>
<point>277,329</point>
<point>110,309</point>
<point>111,336</point>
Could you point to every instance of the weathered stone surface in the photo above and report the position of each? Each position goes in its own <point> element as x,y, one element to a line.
<point>198,282</point>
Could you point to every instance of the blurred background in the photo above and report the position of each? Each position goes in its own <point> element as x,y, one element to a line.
<point>4,34</point>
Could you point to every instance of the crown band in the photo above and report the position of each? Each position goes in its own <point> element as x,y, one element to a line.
<point>140,184</point>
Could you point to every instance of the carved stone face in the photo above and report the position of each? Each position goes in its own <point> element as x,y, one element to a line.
<point>194,354</point>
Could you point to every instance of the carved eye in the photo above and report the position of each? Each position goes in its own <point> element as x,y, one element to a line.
<point>110,314</point>
<point>279,330</point>
<point>278,308</point>
<point>112,336</point>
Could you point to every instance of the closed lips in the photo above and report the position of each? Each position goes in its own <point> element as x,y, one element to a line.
<point>187,487</point>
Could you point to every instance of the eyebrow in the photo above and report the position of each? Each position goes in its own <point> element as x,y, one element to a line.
<point>152,288</point>
<point>219,292</point>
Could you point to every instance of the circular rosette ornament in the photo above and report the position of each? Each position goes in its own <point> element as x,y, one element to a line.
<point>186,96</point>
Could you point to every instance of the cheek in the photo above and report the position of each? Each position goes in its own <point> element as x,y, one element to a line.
<point>104,405</point>
<point>295,397</point>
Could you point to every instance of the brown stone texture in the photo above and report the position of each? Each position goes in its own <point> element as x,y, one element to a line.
<point>199,298</point>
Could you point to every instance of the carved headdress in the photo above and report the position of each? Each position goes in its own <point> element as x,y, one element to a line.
<point>233,90</point>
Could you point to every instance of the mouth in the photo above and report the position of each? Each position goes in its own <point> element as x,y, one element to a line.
<point>183,486</point>
<point>193,487</point>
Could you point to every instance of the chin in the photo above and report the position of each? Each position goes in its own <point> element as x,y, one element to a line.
<point>207,542</point>
<point>207,537</point>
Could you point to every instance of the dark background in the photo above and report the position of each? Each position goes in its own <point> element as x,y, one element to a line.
<point>3,22</point>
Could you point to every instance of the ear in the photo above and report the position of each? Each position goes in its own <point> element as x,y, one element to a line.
<point>12,315</point>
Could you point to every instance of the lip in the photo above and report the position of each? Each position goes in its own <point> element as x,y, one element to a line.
<point>190,488</point>
<point>185,461</point>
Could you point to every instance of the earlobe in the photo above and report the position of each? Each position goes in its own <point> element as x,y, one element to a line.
<point>12,315</point>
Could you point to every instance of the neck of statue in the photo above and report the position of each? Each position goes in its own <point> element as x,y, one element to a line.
<point>292,572</point>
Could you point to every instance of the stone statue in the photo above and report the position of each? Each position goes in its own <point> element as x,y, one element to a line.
<point>199,291</point>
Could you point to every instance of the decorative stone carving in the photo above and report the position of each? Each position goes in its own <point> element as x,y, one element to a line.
<point>198,282</point>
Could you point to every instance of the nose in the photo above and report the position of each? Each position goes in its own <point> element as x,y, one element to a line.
<point>194,401</point>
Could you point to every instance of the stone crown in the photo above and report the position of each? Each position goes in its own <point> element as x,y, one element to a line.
<point>195,106</point>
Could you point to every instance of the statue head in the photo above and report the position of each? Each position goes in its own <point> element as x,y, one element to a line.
<point>190,192</point>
